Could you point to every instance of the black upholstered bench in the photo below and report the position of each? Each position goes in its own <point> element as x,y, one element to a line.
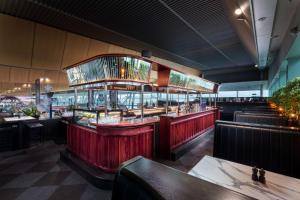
<point>140,178</point>
<point>275,148</point>
<point>260,118</point>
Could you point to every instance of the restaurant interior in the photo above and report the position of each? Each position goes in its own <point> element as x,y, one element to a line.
<point>142,100</point>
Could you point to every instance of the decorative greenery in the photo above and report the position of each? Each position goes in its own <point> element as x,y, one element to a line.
<point>288,97</point>
<point>32,111</point>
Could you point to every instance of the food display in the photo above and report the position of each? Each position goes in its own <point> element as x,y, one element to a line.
<point>86,117</point>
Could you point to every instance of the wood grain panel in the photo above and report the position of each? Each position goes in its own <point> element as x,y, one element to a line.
<point>48,47</point>
<point>36,74</point>
<point>19,75</point>
<point>52,75</point>
<point>63,78</point>
<point>4,74</point>
<point>76,49</point>
<point>176,131</point>
<point>108,151</point>
<point>16,41</point>
<point>97,48</point>
<point>176,66</point>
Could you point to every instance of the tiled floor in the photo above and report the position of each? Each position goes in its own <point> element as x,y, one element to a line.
<point>191,158</point>
<point>38,174</point>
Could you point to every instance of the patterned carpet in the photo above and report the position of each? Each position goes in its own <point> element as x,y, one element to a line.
<point>38,174</point>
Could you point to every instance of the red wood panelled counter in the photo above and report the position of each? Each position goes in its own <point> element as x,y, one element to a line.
<point>176,130</point>
<point>107,146</point>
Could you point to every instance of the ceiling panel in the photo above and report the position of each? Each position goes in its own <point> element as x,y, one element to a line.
<point>48,47</point>
<point>53,76</point>
<point>63,78</point>
<point>16,38</point>
<point>19,75</point>
<point>4,74</point>
<point>76,49</point>
<point>35,74</point>
<point>97,48</point>
<point>172,29</point>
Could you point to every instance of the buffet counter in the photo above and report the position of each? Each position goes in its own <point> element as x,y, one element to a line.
<point>112,143</point>
<point>178,129</point>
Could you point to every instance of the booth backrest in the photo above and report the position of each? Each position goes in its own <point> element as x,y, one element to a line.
<point>260,118</point>
<point>228,108</point>
<point>140,178</point>
<point>262,110</point>
<point>275,148</point>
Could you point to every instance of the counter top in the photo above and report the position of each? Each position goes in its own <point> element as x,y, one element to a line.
<point>127,123</point>
<point>237,177</point>
<point>175,115</point>
<point>15,119</point>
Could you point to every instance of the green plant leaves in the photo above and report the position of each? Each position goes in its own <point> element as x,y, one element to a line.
<point>288,97</point>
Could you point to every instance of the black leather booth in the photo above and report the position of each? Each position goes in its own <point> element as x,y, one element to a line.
<point>143,179</point>
<point>275,148</point>
<point>227,109</point>
<point>260,118</point>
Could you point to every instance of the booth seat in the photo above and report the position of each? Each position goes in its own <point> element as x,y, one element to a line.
<point>227,109</point>
<point>260,118</point>
<point>274,148</point>
<point>140,178</point>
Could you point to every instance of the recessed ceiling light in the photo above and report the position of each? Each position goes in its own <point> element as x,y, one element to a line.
<point>238,11</point>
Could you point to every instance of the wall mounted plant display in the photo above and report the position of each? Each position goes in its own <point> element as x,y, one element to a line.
<point>288,98</point>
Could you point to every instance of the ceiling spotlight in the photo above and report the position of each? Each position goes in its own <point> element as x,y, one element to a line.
<point>238,11</point>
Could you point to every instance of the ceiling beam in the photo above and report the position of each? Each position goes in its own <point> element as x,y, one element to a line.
<point>263,17</point>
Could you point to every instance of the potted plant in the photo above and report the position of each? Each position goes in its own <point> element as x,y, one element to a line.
<point>32,111</point>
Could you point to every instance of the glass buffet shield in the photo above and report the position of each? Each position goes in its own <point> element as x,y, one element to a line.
<point>110,68</point>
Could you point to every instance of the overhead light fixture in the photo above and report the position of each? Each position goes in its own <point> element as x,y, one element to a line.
<point>238,11</point>
<point>256,66</point>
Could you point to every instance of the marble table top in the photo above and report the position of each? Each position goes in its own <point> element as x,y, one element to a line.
<point>237,177</point>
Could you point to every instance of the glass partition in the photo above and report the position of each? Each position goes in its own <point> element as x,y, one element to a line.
<point>106,68</point>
